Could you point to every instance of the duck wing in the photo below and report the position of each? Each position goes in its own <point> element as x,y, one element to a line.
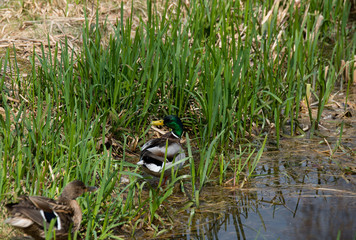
<point>51,209</point>
<point>153,154</point>
<point>159,148</point>
<point>42,203</point>
<point>39,210</point>
<point>25,212</point>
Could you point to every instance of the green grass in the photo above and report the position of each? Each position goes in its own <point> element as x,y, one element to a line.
<point>213,63</point>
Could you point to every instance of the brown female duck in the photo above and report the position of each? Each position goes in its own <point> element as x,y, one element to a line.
<point>33,213</point>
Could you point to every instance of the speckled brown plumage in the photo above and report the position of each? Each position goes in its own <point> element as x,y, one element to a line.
<point>32,213</point>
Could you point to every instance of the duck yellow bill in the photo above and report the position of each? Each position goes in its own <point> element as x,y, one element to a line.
<point>157,123</point>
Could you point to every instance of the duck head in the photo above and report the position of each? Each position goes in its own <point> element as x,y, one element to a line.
<point>172,122</point>
<point>75,189</point>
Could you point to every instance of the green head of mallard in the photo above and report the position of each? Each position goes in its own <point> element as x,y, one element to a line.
<point>172,122</point>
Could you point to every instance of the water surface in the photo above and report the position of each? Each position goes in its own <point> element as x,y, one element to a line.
<point>299,193</point>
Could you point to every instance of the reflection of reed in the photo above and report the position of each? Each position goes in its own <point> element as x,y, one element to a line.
<point>226,217</point>
<point>282,197</point>
<point>294,196</point>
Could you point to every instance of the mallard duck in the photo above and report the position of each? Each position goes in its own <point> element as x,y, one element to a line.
<point>154,151</point>
<point>33,213</point>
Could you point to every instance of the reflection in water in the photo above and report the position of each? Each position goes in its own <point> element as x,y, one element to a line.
<point>293,197</point>
<point>306,214</point>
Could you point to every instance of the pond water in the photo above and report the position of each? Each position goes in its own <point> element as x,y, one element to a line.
<point>299,193</point>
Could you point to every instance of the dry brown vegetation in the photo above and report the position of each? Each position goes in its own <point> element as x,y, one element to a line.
<point>28,24</point>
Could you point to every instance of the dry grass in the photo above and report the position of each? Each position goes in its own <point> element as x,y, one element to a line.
<point>28,24</point>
